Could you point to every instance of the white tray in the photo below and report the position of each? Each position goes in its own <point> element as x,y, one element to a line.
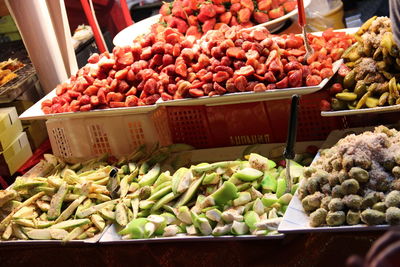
<point>127,35</point>
<point>385,109</point>
<point>277,24</point>
<point>35,112</point>
<point>130,33</point>
<point>244,97</point>
<point>296,220</point>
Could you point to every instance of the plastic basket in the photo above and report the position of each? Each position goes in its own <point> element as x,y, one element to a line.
<point>239,124</point>
<point>81,138</point>
<point>249,123</point>
<point>311,126</point>
<point>189,125</point>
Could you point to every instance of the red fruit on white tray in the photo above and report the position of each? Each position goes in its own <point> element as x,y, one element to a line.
<point>169,65</point>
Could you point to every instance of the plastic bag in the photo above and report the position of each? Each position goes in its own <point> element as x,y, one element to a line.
<point>324,14</point>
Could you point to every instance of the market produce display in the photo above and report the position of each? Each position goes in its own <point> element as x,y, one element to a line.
<point>371,72</point>
<point>192,17</point>
<point>222,198</point>
<point>69,202</point>
<point>355,181</point>
<point>170,66</point>
<point>148,193</point>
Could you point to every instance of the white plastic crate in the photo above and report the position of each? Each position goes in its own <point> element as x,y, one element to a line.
<point>118,135</point>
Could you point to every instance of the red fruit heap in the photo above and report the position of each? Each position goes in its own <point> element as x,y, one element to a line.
<point>169,65</point>
<point>195,18</point>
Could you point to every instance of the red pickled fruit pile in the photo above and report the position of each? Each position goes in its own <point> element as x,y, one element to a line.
<point>192,17</point>
<point>170,66</point>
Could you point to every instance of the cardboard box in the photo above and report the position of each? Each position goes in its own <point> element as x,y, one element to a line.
<point>36,132</point>
<point>10,126</point>
<point>15,155</point>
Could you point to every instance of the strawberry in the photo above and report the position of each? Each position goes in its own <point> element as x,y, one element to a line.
<point>244,15</point>
<point>207,10</point>
<point>264,5</point>
<point>276,13</point>
<point>260,17</point>
<point>208,25</point>
<point>193,4</point>
<point>248,4</point>
<point>247,24</point>
<point>194,30</point>
<point>235,8</point>
<point>325,105</point>
<point>219,9</point>
<point>181,25</point>
<point>289,6</point>
<point>234,21</point>
<point>225,17</point>
<point>165,9</point>
<point>192,20</point>
<point>177,11</point>
<point>275,4</point>
<point>218,26</point>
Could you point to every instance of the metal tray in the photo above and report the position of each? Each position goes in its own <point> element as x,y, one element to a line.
<point>14,88</point>
<point>38,170</point>
<point>213,155</point>
<point>111,237</point>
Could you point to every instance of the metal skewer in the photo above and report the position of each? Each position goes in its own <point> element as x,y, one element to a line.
<point>302,23</point>
<point>289,153</point>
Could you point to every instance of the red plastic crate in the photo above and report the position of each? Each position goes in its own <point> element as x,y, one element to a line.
<point>249,123</point>
<point>311,125</point>
<point>189,125</point>
<point>239,124</point>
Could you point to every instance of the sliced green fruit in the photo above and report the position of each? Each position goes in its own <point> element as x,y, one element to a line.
<point>135,229</point>
<point>248,174</point>
<point>251,218</point>
<point>281,187</point>
<point>150,177</point>
<point>226,192</point>
<point>269,181</point>
<point>164,200</point>
<point>188,195</point>
<point>39,234</point>
<point>70,224</point>
<point>56,202</point>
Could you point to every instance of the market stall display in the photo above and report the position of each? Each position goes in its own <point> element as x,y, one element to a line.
<point>66,201</point>
<point>169,66</point>
<point>222,198</point>
<point>370,74</point>
<point>198,17</point>
<point>354,182</point>
<point>209,15</point>
<point>57,201</point>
